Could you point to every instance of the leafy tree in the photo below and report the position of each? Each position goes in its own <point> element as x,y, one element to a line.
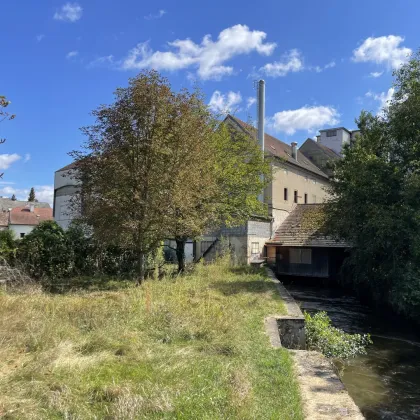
<point>127,169</point>
<point>7,245</point>
<point>376,204</point>
<point>221,184</point>
<point>4,115</point>
<point>32,195</point>
<point>13,198</point>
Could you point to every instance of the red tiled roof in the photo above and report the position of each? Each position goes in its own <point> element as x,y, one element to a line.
<point>24,216</point>
<point>278,148</point>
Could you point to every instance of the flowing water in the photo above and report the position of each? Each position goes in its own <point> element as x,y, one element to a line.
<point>385,383</point>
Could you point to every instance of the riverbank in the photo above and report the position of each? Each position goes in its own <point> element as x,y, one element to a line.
<point>187,347</point>
<point>385,382</point>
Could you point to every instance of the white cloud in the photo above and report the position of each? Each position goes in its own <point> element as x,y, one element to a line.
<point>101,61</point>
<point>70,12</point>
<point>27,158</point>
<point>158,15</point>
<point>330,65</point>
<point>43,193</point>
<point>382,50</point>
<point>384,98</point>
<point>40,37</point>
<point>290,62</point>
<point>209,57</point>
<point>376,74</point>
<point>6,160</point>
<point>225,103</point>
<point>72,54</point>
<point>250,101</point>
<point>305,118</point>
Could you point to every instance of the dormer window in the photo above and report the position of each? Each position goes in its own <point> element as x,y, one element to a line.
<point>331,133</point>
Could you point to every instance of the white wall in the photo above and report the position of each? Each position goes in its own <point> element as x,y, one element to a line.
<point>18,229</point>
<point>64,186</point>
<point>337,142</point>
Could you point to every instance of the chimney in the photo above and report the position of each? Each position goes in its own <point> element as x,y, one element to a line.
<point>294,150</point>
<point>261,113</point>
<point>31,207</point>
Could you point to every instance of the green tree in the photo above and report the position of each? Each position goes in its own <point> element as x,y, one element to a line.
<point>376,198</point>
<point>13,198</point>
<point>221,184</point>
<point>32,195</point>
<point>127,169</point>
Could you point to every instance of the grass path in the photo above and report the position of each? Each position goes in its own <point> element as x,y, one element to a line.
<point>186,348</point>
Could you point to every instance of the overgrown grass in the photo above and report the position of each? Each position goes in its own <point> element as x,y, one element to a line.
<point>189,348</point>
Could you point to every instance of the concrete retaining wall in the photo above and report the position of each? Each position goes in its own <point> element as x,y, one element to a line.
<point>324,396</point>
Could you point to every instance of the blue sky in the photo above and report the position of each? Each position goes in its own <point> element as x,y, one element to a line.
<point>323,63</point>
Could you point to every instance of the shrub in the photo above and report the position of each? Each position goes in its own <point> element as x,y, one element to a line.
<point>7,245</point>
<point>331,341</point>
<point>44,252</point>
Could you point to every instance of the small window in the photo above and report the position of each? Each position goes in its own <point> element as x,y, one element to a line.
<point>296,196</point>
<point>255,248</point>
<point>286,195</point>
<point>306,179</point>
<point>332,133</point>
<point>314,198</point>
<point>306,198</point>
<point>22,235</point>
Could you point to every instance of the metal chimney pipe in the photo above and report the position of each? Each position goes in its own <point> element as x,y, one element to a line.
<point>261,112</point>
<point>294,150</point>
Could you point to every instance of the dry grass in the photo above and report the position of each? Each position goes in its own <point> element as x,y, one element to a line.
<point>192,347</point>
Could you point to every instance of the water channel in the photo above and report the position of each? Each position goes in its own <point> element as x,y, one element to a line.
<point>385,383</point>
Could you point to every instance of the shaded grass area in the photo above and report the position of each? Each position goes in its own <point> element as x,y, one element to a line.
<point>189,348</point>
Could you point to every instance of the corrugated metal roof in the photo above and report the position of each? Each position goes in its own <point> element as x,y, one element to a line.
<point>304,227</point>
<point>280,149</point>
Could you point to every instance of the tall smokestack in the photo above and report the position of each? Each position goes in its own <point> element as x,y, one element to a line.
<point>261,120</point>
<point>294,150</point>
<point>261,113</point>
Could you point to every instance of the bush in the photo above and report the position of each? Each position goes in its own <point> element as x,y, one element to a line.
<point>7,245</point>
<point>331,341</point>
<point>44,252</point>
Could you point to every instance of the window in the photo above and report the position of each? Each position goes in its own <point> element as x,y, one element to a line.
<point>314,198</point>
<point>22,235</point>
<point>306,198</point>
<point>306,179</point>
<point>300,256</point>
<point>296,196</point>
<point>331,133</point>
<point>255,248</point>
<point>285,194</point>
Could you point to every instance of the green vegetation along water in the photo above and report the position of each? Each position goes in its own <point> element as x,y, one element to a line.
<point>385,383</point>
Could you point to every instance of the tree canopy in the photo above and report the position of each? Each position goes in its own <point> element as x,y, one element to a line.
<point>31,196</point>
<point>158,164</point>
<point>376,198</point>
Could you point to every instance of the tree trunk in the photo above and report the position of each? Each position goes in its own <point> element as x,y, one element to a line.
<point>140,276</point>
<point>180,253</point>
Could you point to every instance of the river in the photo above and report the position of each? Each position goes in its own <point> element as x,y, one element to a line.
<point>385,383</point>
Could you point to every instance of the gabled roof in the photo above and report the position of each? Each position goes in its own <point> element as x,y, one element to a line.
<point>7,203</point>
<point>330,153</point>
<point>24,216</point>
<point>278,148</point>
<point>304,228</point>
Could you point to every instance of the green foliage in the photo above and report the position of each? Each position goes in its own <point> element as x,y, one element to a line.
<point>44,252</point>
<point>376,199</point>
<point>331,341</point>
<point>31,196</point>
<point>7,245</point>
